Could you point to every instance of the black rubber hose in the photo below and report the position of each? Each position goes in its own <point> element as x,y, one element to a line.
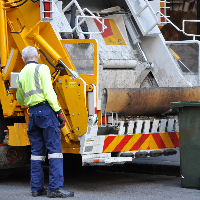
<point>19,4</point>
<point>72,22</point>
<point>84,28</point>
<point>57,68</point>
<point>17,1</point>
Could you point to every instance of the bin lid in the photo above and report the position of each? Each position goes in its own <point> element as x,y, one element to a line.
<point>184,103</point>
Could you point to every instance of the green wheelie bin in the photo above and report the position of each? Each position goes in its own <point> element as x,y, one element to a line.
<point>189,141</point>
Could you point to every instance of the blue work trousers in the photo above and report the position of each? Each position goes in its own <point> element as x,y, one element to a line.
<point>44,136</point>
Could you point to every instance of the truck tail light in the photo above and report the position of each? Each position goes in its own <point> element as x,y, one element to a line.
<point>46,8</point>
<point>95,110</point>
<point>104,120</point>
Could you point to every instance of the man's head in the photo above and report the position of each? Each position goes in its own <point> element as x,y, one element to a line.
<point>30,54</point>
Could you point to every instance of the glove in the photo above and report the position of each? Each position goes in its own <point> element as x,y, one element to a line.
<point>62,120</point>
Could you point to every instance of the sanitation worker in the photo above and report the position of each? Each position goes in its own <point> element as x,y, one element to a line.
<point>34,89</point>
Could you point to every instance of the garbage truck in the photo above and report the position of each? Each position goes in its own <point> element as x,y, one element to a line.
<point>111,69</point>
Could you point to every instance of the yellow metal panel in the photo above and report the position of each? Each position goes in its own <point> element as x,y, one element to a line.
<point>19,29</point>
<point>69,148</point>
<point>34,9</point>
<point>11,104</point>
<point>75,100</point>
<point>7,100</point>
<point>68,132</point>
<point>89,79</point>
<point>18,135</point>
<point>3,35</point>
<point>3,94</point>
<point>60,95</point>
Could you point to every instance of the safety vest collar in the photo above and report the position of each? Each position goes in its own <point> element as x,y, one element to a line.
<point>31,62</point>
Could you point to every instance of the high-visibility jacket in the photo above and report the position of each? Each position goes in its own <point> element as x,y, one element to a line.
<point>34,86</point>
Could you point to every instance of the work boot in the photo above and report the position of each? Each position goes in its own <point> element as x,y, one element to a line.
<point>60,193</point>
<point>43,191</point>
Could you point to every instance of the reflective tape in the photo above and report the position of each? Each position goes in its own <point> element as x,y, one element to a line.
<point>41,158</point>
<point>55,155</point>
<point>20,85</point>
<point>28,94</point>
<point>37,85</point>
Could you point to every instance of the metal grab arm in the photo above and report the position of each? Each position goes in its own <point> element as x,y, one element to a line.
<point>54,54</point>
<point>73,73</point>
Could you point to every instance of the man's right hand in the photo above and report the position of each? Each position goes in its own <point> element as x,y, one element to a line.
<point>62,120</point>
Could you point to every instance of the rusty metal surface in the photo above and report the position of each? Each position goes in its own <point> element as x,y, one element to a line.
<point>147,101</point>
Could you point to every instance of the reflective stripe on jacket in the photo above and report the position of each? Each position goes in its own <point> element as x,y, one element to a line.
<point>34,86</point>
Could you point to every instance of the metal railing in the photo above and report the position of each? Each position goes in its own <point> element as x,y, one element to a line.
<point>82,15</point>
<point>183,25</point>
